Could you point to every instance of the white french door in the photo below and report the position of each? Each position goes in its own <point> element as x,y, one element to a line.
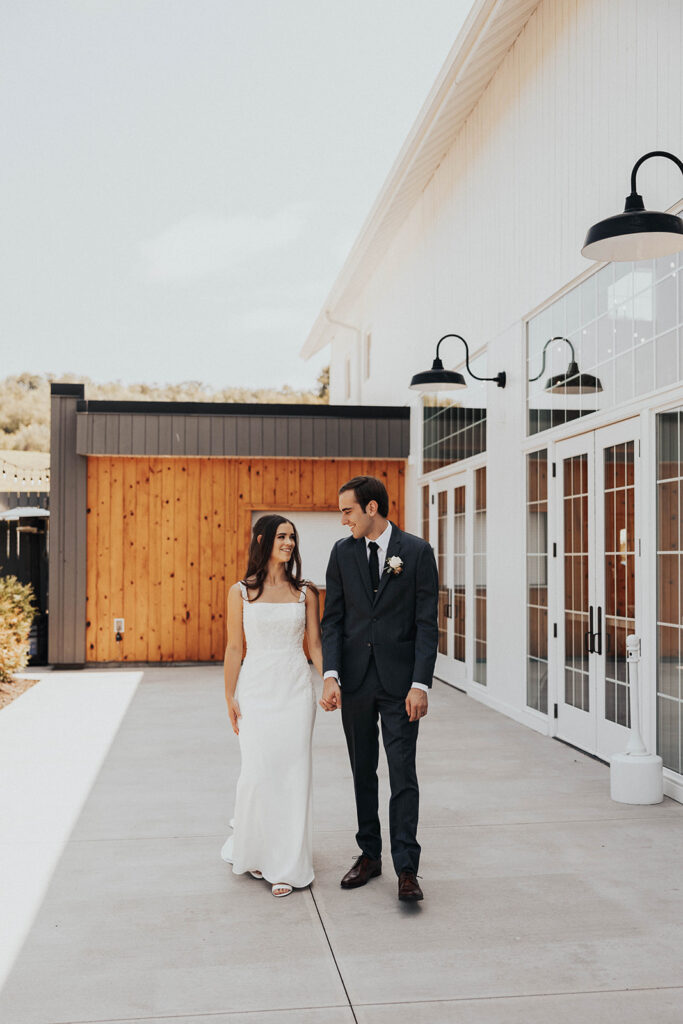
<point>597,576</point>
<point>451,527</point>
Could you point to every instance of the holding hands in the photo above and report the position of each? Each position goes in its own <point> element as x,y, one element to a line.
<point>331,698</point>
<point>416,702</point>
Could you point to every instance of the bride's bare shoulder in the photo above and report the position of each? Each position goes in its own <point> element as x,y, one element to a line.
<point>237,587</point>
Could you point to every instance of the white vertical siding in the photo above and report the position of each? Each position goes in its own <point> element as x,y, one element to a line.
<point>588,86</point>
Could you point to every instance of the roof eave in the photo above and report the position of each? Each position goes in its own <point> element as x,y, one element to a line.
<point>461,58</point>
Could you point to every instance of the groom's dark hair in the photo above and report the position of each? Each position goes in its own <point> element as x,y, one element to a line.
<point>368,488</point>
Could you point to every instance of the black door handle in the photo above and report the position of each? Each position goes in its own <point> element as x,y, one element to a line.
<point>588,635</point>
<point>598,633</point>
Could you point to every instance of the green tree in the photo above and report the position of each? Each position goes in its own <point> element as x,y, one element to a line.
<point>16,615</point>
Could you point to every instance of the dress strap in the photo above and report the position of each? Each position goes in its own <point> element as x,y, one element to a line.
<point>243,591</point>
<point>302,593</point>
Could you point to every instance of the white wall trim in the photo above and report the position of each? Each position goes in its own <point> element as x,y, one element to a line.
<point>673,785</point>
<point>533,719</point>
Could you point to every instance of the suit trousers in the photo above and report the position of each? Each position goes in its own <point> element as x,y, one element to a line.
<point>361,710</point>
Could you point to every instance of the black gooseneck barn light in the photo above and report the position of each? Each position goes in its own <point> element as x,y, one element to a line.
<point>572,382</point>
<point>439,379</point>
<point>637,233</point>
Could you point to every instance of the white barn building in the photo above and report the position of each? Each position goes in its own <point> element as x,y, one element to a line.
<point>555,518</point>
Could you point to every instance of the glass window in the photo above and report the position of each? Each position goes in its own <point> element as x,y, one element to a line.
<point>425,512</point>
<point>454,426</point>
<point>620,559</point>
<point>576,526</point>
<point>537,581</point>
<point>444,591</point>
<point>623,326</point>
<point>669,595</point>
<point>459,609</point>
<point>480,575</point>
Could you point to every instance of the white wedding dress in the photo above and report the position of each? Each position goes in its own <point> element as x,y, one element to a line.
<point>272,826</point>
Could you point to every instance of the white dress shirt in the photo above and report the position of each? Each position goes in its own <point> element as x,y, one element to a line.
<point>382,546</point>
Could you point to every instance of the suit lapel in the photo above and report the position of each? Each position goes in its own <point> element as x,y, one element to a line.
<point>393,549</point>
<point>361,553</point>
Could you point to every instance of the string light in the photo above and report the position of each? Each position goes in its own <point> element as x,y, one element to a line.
<point>25,477</point>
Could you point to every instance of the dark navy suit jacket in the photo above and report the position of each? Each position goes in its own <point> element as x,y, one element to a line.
<point>398,625</point>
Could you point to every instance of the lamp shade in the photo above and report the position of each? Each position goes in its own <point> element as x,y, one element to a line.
<point>437,379</point>
<point>639,235</point>
<point>573,383</point>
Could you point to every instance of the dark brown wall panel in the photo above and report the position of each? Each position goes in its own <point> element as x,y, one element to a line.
<point>67,583</point>
<point>317,432</point>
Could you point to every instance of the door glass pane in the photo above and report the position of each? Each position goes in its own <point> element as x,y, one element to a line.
<point>575,513</point>
<point>480,575</point>
<point>537,581</point>
<point>670,589</point>
<point>459,574</point>
<point>442,530</point>
<point>425,512</point>
<point>619,577</point>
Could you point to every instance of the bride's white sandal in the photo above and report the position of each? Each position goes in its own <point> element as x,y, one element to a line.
<point>281,889</point>
<point>256,874</point>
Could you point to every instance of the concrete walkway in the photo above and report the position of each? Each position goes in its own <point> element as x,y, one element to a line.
<point>53,740</point>
<point>544,901</point>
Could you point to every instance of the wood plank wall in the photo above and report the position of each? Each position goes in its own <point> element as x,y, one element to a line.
<point>166,537</point>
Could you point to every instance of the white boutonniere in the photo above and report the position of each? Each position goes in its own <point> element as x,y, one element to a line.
<point>394,565</point>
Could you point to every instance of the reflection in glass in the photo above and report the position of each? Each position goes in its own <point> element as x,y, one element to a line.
<point>615,319</point>
<point>455,429</point>
<point>480,575</point>
<point>669,589</point>
<point>575,514</point>
<point>459,587</point>
<point>537,581</point>
<point>425,512</point>
<point>619,498</point>
<point>444,592</point>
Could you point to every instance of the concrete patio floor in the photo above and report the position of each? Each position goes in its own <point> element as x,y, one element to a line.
<point>544,900</point>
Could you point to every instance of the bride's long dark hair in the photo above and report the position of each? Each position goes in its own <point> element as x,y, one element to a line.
<point>266,528</point>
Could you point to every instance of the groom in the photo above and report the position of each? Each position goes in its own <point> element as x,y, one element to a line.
<point>379,648</point>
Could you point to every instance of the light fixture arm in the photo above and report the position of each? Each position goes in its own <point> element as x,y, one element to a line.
<point>499,379</point>
<point>635,201</point>
<point>558,337</point>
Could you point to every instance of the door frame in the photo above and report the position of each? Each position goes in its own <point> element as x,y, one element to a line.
<point>447,669</point>
<point>590,731</point>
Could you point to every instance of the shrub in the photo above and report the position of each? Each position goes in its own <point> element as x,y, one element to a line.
<point>17,612</point>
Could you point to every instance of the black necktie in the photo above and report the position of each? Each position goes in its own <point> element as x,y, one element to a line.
<point>373,563</point>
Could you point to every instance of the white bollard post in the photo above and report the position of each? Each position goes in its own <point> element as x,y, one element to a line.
<point>635,776</point>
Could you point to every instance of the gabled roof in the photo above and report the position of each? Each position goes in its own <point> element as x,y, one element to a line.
<point>488,33</point>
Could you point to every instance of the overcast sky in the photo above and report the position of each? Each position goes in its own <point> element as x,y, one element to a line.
<point>181,180</point>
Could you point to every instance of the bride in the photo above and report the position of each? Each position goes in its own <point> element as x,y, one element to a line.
<point>271,703</point>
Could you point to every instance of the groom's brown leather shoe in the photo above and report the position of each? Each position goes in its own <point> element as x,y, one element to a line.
<point>362,871</point>
<point>409,887</point>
